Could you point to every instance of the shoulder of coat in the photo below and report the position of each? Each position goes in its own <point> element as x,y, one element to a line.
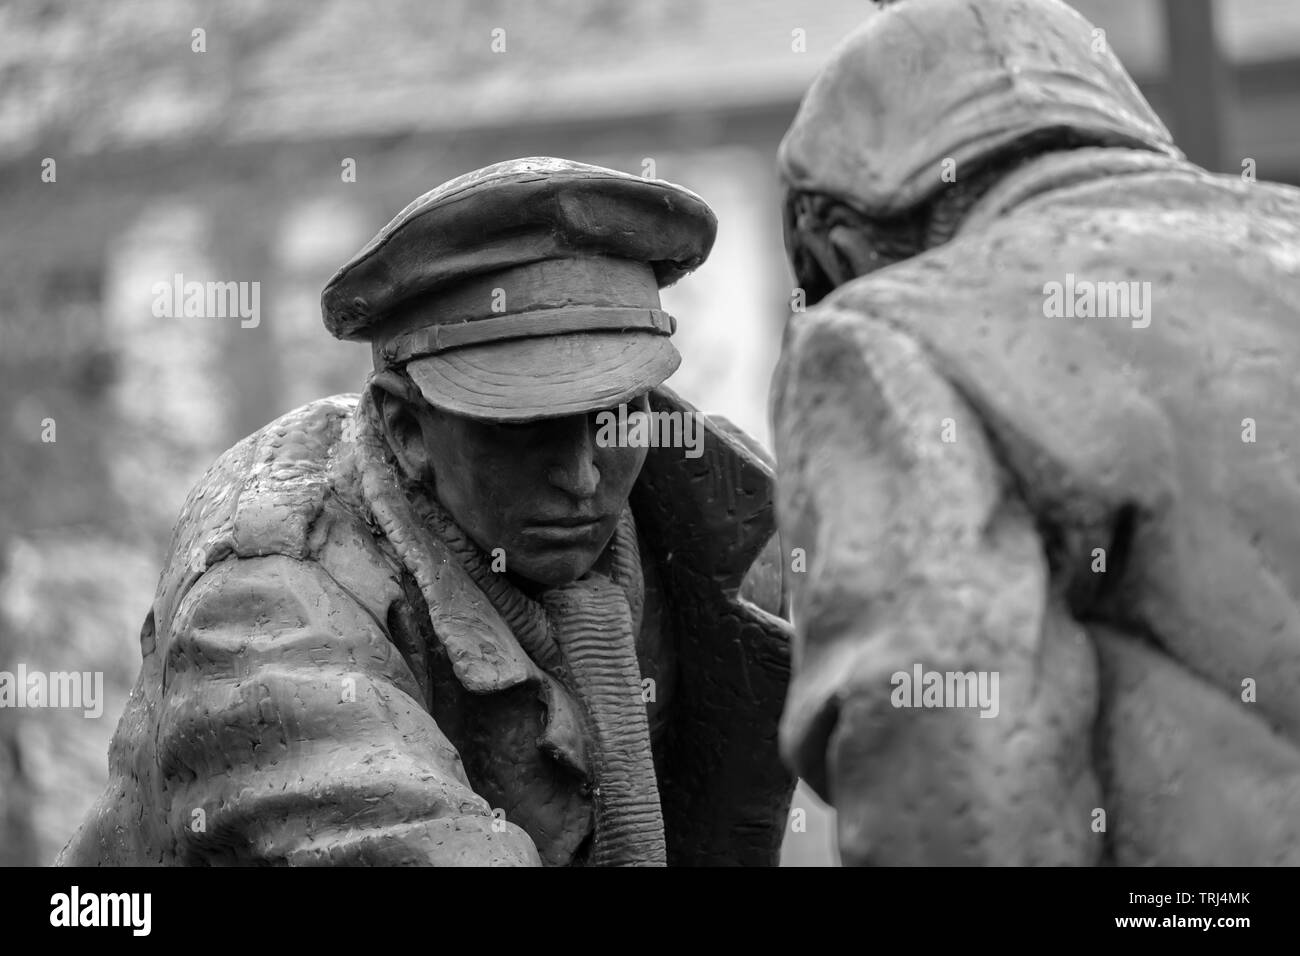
<point>265,495</point>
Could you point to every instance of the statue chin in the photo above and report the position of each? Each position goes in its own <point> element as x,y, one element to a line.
<point>550,557</point>
<point>553,570</point>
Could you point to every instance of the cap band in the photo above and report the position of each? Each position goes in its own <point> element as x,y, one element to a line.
<point>530,300</point>
<point>432,339</point>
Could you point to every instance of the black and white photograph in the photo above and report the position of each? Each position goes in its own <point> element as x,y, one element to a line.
<point>814,434</point>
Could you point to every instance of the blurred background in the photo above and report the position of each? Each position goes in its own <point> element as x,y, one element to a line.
<point>227,164</point>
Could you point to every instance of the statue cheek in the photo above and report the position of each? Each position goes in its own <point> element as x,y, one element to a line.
<point>620,470</point>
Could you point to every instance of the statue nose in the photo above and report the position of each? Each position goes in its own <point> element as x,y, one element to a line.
<point>575,472</point>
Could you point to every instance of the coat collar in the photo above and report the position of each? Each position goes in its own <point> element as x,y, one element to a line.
<point>485,656</point>
<point>731,525</point>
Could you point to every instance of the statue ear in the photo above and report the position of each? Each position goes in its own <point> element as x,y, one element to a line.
<point>830,244</point>
<point>406,420</point>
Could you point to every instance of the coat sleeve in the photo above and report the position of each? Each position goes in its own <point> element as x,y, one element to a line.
<point>289,732</point>
<point>921,552</point>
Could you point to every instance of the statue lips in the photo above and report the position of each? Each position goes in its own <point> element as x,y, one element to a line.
<point>570,530</point>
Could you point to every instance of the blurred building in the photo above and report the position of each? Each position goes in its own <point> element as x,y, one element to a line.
<point>266,140</point>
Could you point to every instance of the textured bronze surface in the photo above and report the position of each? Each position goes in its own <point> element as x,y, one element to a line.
<point>1102,509</point>
<point>284,585</point>
<point>393,632</point>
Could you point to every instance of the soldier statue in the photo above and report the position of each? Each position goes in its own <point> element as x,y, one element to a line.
<point>1040,434</point>
<point>444,622</point>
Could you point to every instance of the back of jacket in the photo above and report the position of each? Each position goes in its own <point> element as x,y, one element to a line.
<point>1089,403</point>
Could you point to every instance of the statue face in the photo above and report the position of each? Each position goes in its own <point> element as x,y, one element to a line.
<point>544,491</point>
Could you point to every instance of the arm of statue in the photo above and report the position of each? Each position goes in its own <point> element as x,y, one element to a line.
<point>922,557</point>
<point>290,732</point>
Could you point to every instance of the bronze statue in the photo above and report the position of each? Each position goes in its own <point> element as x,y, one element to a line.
<point>447,622</point>
<point>1040,436</point>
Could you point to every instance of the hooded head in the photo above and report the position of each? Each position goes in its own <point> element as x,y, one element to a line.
<point>929,95</point>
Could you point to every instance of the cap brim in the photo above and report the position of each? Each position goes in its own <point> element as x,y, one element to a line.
<point>546,377</point>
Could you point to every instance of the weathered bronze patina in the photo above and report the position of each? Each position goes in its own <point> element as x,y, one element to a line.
<point>1043,426</point>
<point>441,623</point>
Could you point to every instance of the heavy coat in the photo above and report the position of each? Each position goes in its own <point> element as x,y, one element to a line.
<point>1103,512</point>
<point>303,636</point>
